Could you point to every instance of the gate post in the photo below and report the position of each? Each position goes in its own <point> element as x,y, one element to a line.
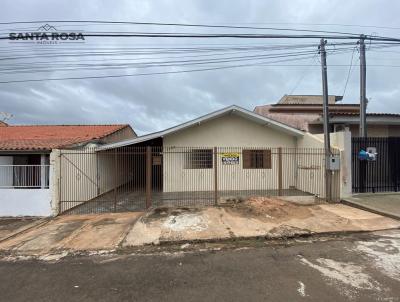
<point>115,180</point>
<point>55,184</point>
<point>215,176</point>
<point>280,171</point>
<point>148,177</point>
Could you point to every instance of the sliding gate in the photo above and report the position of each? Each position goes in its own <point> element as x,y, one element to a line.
<point>382,174</point>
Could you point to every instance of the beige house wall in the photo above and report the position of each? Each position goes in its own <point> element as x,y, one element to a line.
<point>229,132</point>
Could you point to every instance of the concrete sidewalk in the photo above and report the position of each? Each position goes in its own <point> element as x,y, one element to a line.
<point>258,217</point>
<point>387,204</point>
<point>268,218</point>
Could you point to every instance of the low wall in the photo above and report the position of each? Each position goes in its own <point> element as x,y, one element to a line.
<point>25,202</point>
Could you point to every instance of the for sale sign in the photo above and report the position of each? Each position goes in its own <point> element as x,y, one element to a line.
<point>230,158</point>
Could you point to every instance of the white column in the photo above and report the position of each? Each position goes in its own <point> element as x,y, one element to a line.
<point>54,182</point>
<point>43,171</point>
<point>342,140</point>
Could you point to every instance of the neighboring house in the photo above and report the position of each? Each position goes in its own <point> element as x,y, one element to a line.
<point>25,156</point>
<point>304,112</point>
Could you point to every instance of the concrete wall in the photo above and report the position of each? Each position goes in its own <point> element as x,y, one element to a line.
<point>342,142</point>
<point>25,202</point>
<point>374,130</point>
<point>21,202</point>
<point>229,132</point>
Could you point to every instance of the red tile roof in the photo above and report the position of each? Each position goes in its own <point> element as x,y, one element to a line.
<point>47,137</point>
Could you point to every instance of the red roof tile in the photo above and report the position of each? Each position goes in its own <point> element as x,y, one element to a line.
<point>47,137</point>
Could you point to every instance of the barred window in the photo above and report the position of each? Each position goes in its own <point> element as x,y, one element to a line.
<point>199,159</point>
<point>257,159</point>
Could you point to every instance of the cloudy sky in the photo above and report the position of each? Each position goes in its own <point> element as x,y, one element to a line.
<point>154,102</point>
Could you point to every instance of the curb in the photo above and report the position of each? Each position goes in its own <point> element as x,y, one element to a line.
<point>266,238</point>
<point>369,209</point>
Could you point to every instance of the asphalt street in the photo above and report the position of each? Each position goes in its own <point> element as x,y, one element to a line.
<point>360,267</point>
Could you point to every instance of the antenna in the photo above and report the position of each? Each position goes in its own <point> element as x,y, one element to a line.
<point>5,116</point>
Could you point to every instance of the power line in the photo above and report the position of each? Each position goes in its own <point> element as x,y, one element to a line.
<point>174,72</point>
<point>303,75</point>
<point>348,73</point>
<point>146,64</point>
<point>173,24</point>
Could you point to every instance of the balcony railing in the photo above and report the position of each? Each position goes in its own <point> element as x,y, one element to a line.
<point>24,176</point>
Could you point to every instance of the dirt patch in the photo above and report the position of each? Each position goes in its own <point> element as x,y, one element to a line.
<point>286,231</point>
<point>6,223</point>
<point>104,221</point>
<point>269,208</point>
<point>164,212</point>
<point>10,225</point>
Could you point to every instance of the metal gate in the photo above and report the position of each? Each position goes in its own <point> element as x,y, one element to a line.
<point>93,181</point>
<point>382,174</point>
<point>135,178</point>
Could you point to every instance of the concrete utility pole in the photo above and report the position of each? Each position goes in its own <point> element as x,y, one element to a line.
<point>327,141</point>
<point>363,98</point>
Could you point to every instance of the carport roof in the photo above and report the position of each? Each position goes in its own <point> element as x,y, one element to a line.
<point>234,109</point>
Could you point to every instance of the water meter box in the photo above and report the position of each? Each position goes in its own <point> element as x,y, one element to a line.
<point>334,162</point>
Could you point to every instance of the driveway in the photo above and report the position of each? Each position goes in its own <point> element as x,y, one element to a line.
<point>361,267</point>
<point>73,233</point>
<point>387,204</point>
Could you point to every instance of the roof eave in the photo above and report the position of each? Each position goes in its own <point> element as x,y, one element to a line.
<point>231,109</point>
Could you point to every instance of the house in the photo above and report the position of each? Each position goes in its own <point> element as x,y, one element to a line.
<point>25,160</point>
<point>227,153</point>
<point>304,112</point>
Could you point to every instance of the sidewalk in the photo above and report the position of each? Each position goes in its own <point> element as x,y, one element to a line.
<point>270,218</point>
<point>386,204</point>
<point>259,217</point>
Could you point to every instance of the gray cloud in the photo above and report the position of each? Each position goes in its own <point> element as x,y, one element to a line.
<point>152,103</point>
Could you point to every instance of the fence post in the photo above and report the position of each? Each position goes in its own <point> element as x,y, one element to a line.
<point>55,181</point>
<point>148,177</point>
<point>115,180</point>
<point>215,176</point>
<point>280,171</point>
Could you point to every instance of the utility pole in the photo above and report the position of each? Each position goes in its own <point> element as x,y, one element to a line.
<point>363,112</point>
<point>327,141</point>
<point>363,98</point>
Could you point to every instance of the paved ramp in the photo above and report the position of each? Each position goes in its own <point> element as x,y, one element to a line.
<point>387,204</point>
